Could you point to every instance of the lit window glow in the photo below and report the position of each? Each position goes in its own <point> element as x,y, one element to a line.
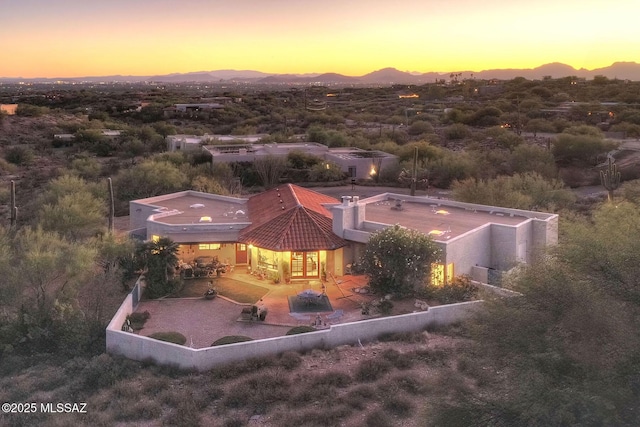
<point>205,219</point>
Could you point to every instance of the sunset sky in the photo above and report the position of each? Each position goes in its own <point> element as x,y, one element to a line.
<point>74,38</point>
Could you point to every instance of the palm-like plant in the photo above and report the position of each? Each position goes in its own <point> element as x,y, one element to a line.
<point>161,258</point>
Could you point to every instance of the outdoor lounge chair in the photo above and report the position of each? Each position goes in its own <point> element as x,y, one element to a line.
<point>300,317</point>
<point>335,315</point>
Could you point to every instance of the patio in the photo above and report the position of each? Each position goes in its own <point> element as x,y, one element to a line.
<point>204,321</point>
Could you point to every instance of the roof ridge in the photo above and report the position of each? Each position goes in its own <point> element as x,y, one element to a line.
<point>295,196</point>
<point>292,218</point>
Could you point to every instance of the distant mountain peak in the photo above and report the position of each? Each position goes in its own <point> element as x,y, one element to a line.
<point>625,70</point>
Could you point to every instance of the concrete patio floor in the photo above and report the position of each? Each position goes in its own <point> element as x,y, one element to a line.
<point>204,321</point>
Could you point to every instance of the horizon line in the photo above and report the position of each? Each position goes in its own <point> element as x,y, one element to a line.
<point>315,74</point>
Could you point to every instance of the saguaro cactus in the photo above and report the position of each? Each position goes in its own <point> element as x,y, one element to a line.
<point>610,178</point>
<point>111,206</point>
<point>12,207</point>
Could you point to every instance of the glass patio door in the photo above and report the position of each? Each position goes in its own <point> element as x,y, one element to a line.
<point>304,264</point>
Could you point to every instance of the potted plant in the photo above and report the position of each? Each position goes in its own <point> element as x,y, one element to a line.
<point>211,293</point>
<point>275,277</point>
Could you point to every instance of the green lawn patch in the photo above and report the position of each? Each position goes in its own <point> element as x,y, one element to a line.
<point>241,292</point>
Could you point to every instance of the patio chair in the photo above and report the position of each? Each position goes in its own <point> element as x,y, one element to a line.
<point>335,315</point>
<point>300,317</point>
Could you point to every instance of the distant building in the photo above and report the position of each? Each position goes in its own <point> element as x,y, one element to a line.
<point>357,163</point>
<point>195,142</point>
<point>194,109</point>
<point>107,133</point>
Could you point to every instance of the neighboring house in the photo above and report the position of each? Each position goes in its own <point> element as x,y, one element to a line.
<point>357,163</point>
<point>107,133</point>
<point>195,142</point>
<point>193,109</point>
<point>310,231</point>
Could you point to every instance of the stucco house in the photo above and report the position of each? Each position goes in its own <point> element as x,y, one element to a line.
<point>355,162</point>
<point>314,233</point>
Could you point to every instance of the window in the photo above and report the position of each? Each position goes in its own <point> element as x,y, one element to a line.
<point>441,274</point>
<point>267,259</point>
<point>155,238</point>
<point>209,246</point>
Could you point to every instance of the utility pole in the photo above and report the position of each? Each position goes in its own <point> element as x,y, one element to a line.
<point>414,174</point>
<point>12,207</point>
<point>111,204</point>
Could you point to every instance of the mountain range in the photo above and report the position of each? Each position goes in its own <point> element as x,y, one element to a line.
<point>618,70</point>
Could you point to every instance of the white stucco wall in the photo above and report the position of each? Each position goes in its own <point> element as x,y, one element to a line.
<point>470,249</point>
<point>141,348</point>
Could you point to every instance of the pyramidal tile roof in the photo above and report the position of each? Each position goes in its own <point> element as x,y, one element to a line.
<point>289,217</point>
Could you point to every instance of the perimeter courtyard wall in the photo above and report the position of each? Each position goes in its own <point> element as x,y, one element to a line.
<point>142,348</point>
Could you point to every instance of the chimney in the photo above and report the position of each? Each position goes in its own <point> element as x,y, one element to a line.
<point>345,200</point>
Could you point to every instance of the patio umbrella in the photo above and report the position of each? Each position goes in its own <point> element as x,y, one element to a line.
<point>309,293</point>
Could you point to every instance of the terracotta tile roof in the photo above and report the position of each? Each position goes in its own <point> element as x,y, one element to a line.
<point>290,218</point>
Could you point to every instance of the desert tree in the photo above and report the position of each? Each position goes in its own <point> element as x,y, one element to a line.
<point>270,169</point>
<point>160,258</point>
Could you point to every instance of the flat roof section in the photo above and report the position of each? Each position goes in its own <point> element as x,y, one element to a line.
<point>200,210</point>
<point>442,222</point>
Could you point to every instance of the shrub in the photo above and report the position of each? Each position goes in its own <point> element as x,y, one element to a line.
<point>259,391</point>
<point>399,360</point>
<point>328,416</point>
<point>136,410</point>
<point>398,405</point>
<point>172,337</point>
<point>186,413</point>
<point>235,421</point>
<point>458,290</point>
<point>385,306</point>
<point>397,259</point>
<point>408,383</point>
<point>360,397</point>
<point>456,131</point>
<point>371,370</point>
<point>20,156</point>
<point>402,337</point>
<point>101,371</point>
<point>290,360</point>
<point>332,378</point>
<point>138,319</point>
<point>231,339</point>
<point>300,330</point>
<point>378,418</point>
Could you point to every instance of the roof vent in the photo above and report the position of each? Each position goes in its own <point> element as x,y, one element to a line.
<point>197,206</point>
